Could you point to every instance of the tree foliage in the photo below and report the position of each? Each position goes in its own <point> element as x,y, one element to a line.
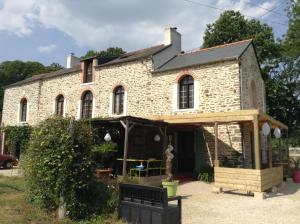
<point>109,52</point>
<point>291,41</point>
<point>232,26</point>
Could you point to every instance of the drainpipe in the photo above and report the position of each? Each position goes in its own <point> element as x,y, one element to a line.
<point>241,85</point>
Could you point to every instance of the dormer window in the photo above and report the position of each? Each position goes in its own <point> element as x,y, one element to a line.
<point>88,71</point>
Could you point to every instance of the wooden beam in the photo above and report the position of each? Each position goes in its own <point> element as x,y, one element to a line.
<point>128,128</point>
<point>216,146</point>
<point>256,142</point>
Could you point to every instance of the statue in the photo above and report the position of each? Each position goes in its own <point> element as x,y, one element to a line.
<point>169,158</point>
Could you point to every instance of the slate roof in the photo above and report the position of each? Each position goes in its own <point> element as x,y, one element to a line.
<point>203,56</point>
<point>206,55</point>
<point>47,75</point>
<point>133,55</point>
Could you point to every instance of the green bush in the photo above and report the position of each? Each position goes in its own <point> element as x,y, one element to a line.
<point>58,162</point>
<point>104,153</point>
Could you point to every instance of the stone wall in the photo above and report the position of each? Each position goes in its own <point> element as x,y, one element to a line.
<point>217,88</point>
<point>251,72</point>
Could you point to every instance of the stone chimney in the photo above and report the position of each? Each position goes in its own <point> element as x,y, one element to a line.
<point>72,60</point>
<point>173,37</point>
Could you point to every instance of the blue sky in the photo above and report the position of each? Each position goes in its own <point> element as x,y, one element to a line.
<point>47,30</point>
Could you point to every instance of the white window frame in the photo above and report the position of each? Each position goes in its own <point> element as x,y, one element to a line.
<point>175,98</point>
<point>111,105</point>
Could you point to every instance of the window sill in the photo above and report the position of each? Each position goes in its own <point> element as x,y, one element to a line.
<point>23,122</point>
<point>87,83</point>
<point>186,110</point>
<point>118,115</point>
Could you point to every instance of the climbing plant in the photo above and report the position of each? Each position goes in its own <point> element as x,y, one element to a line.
<point>17,136</point>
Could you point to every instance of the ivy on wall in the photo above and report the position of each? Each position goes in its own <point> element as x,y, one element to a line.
<point>17,137</point>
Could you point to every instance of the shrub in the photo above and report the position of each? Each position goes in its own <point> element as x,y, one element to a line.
<point>58,163</point>
<point>104,153</point>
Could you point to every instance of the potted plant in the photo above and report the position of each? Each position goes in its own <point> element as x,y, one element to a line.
<point>103,155</point>
<point>170,183</point>
<point>296,171</point>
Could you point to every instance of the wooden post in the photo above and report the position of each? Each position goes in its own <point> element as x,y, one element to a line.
<point>127,130</point>
<point>256,142</point>
<point>3,142</point>
<point>270,152</point>
<point>216,145</point>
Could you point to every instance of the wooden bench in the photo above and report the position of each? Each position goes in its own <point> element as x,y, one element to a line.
<point>148,205</point>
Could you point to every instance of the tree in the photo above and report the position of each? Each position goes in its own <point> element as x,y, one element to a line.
<point>283,89</point>
<point>109,52</point>
<point>291,41</point>
<point>232,26</point>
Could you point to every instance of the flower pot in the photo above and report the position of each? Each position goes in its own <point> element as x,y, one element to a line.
<point>296,176</point>
<point>103,173</point>
<point>171,187</point>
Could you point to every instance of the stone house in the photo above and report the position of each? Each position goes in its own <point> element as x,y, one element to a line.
<point>213,97</point>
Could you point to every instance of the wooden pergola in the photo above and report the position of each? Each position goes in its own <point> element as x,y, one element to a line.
<point>128,123</point>
<point>240,116</point>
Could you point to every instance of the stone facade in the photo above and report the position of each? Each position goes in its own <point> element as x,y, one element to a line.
<point>219,86</point>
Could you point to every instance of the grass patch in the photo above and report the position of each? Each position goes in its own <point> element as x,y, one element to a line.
<point>16,209</point>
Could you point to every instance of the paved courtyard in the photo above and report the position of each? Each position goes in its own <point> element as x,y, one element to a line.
<point>200,205</point>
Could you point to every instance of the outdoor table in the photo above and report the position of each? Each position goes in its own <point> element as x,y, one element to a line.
<point>147,167</point>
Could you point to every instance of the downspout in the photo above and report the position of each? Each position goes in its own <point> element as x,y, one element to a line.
<point>241,84</point>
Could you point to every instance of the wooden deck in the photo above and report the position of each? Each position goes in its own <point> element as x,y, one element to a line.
<point>253,180</point>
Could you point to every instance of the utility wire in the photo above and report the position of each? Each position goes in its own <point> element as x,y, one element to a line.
<point>272,10</point>
<point>266,9</point>
<point>223,10</point>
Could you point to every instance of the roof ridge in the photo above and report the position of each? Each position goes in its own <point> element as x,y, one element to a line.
<point>217,46</point>
<point>147,48</point>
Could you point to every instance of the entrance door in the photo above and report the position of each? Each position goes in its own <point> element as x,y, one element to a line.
<point>186,152</point>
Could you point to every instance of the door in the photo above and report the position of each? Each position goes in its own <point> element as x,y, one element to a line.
<point>186,152</point>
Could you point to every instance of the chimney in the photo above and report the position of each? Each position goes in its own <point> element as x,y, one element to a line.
<point>173,37</point>
<point>72,60</point>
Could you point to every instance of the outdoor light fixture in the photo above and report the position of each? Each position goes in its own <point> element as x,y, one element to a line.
<point>277,133</point>
<point>266,129</point>
<point>157,138</point>
<point>107,137</point>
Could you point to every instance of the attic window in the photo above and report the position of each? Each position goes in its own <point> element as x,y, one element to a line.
<point>88,71</point>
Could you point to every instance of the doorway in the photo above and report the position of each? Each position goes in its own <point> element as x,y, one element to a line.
<point>186,151</point>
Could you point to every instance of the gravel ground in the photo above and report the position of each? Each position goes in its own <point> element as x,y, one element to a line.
<point>11,172</point>
<point>200,205</point>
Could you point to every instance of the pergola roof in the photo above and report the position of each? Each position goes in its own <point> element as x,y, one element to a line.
<point>220,117</point>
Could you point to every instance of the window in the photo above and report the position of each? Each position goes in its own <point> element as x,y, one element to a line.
<point>87,105</point>
<point>186,92</point>
<point>59,105</point>
<point>88,72</point>
<point>119,100</point>
<point>23,113</point>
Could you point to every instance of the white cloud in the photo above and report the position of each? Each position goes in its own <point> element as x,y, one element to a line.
<point>46,49</point>
<point>130,24</point>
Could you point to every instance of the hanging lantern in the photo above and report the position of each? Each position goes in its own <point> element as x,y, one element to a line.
<point>266,129</point>
<point>277,133</point>
<point>107,137</point>
<point>157,138</point>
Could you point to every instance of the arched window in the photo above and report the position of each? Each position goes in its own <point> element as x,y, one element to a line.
<point>88,71</point>
<point>119,100</point>
<point>253,95</point>
<point>186,92</point>
<point>87,105</point>
<point>59,110</point>
<point>23,112</point>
